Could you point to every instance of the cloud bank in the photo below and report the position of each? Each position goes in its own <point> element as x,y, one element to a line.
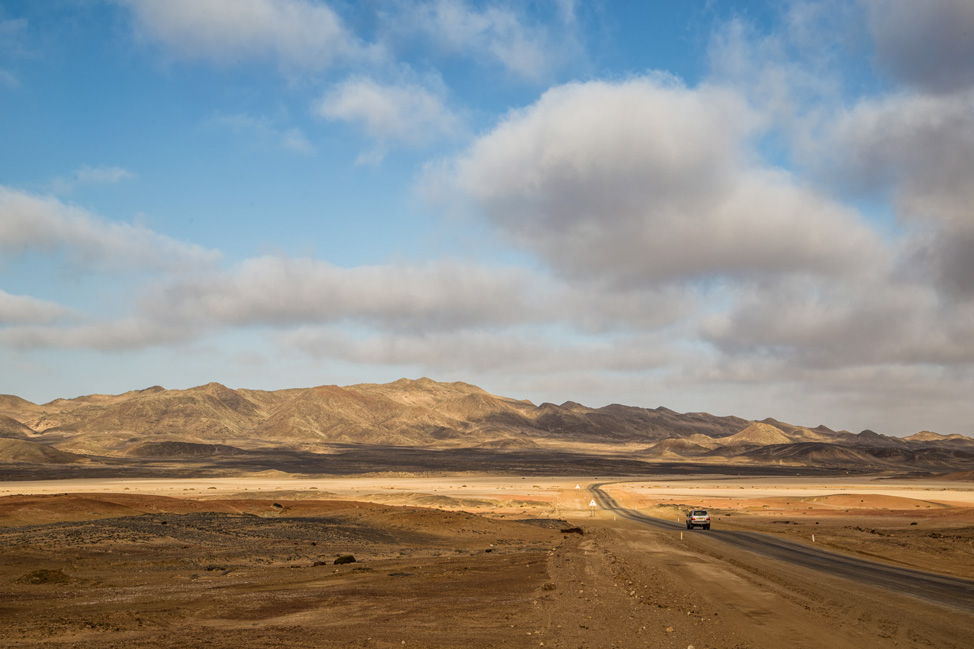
<point>41,224</point>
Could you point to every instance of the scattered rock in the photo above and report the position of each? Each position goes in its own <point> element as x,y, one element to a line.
<point>572,530</point>
<point>343,559</point>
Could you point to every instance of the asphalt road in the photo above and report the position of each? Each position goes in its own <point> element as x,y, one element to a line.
<point>951,591</point>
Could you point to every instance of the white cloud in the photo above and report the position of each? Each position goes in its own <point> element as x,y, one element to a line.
<point>509,352</point>
<point>298,34</point>
<point>115,335</point>
<point>910,147</point>
<point>399,298</point>
<point>407,302</point>
<point>919,147</point>
<point>13,41</point>
<point>9,79</point>
<point>102,175</point>
<point>13,35</point>
<point>795,75</point>
<point>265,132</point>
<point>646,181</point>
<point>892,398</point>
<point>894,332</point>
<point>495,34</point>
<point>30,223</point>
<point>22,309</point>
<point>294,139</point>
<point>830,324</point>
<point>927,45</point>
<point>918,150</point>
<point>87,175</point>
<point>281,292</point>
<point>401,113</point>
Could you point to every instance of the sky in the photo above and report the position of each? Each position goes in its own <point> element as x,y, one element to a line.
<point>763,209</point>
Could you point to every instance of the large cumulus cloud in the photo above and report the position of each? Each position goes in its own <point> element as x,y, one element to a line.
<point>647,181</point>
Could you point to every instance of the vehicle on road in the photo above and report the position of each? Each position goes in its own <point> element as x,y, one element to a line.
<point>698,518</point>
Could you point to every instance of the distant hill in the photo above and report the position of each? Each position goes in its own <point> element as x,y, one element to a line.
<point>21,451</point>
<point>12,429</point>
<point>676,447</point>
<point>758,434</point>
<point>214,422</point>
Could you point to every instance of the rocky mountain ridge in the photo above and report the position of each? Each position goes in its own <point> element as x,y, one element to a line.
<point>213,420</point>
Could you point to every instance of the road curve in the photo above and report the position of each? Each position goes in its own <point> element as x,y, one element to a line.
<point>952,591</point>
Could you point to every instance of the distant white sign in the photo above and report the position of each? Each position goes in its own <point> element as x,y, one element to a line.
<point>578,486</point>
<point>592,504</point>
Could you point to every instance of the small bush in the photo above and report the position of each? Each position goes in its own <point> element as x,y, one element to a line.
<point>44,576</point>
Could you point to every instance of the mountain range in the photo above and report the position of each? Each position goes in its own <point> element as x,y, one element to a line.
<point>213,421</point>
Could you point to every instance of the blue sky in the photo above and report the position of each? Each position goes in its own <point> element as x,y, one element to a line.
<point>750,208</point>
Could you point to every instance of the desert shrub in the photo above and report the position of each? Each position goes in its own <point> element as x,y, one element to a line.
<point>44,576</point>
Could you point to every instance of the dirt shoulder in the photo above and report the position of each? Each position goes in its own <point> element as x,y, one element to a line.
<point>639,587</point>
<point>929,529</point>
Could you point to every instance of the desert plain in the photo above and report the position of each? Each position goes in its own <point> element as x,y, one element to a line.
<point>437,515</point>
<point>474,560</point>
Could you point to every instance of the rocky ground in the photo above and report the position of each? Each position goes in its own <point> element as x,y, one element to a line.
<point>105,570</point>
<point>265,574</point>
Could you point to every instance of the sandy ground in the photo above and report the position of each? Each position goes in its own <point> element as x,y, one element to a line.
<point>446,562</point>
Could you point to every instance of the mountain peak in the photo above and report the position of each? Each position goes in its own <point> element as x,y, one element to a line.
<point>758,433</point>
